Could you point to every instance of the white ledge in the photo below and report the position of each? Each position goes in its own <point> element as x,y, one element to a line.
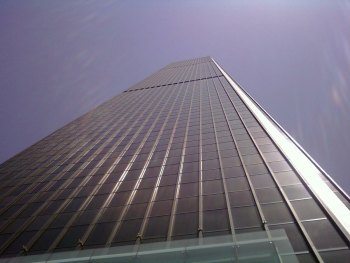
<point>305,168</point>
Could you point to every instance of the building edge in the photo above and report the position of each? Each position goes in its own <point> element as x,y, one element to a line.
<point>334,207</point>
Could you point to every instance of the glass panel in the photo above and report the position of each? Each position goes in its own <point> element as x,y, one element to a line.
<point>186,224</point>
<point>307,209</point>
<point>185,205</point>
<point>128,230</point>
<point>335,256</point>
<point>165,192</point>
<point>276,213</point>
<point>323,234</point>
<point>241,198</point>
<point>287,178</point>
<point>262,181</point>
<point>212,187</point>
<point>136,211</point>
<point>211,202</point>
<point>142,196</point>
<point>268,195</point>
<point>157,227</point>
<point>237,184</point>
<point>215,220</point>
<point>294,235</point>
<point>111,214</point>
<point>296,191</point>
<point>244,217</point>
<point>70,240</point>
<point>99,234</point>
<point>211,174</point>
<point>46,240</point>
<point>187,190</point>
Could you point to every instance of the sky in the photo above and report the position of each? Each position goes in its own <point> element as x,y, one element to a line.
<point>60,59</point>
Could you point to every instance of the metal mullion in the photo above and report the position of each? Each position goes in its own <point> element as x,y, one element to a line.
<point>53,168</point>
<point>221,168</point>
<point>181,74</point>
<point>25,179</point>
<point>256,200</point>
<point>33,198</point>
<point>172,76</point>
<point>88,199</point>
<point>196,71</point>
<point>201,73</point>
<point>63,187</point>
<point>30,220</point>
<point>262,217</point>
<point>23,172</point>
<point>160,79</point>
<point>101,147</point>
<point>323,194</point>
<point>211,71</point>
<point>200,185</point>
<point>280,189</point>
<point>157,79</point>
<point>133,192</point>
<point>206,70</point>
<point>48,175</point>
<point>169,78</point>
<point>189,70</point>
<point>88,232</point>
<point>154,80</point>
<point>188,75</point>
<point>154,194</point>
<point>176,194</point>
<point>185,74</point>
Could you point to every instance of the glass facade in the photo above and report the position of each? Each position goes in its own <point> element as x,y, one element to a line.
<point>180,155</point>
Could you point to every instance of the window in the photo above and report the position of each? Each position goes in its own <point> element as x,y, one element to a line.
<point>296,191</point>
<point>128,230</point>
<point>46,239</point>
<point>237,184</point>
<point>276,213</point>
<point>245,217</point>
<point>136,211</point>
<point>100,234</point>
<point>187,190</point>
<point>215,220</point>
<point>307,209</point>
<point>262,181</point>
<point>161,208</point>
<point>157,227</point>
<point>241,198</point>
<point>70,239</point>
<point>212,202</point>
<point>186,205</point>
<point>186,224</point>
<point>268,195</point>
<point>212,187</point>
<point>323,234</point>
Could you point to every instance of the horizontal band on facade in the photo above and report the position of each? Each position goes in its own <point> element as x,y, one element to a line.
<point>181,82</point>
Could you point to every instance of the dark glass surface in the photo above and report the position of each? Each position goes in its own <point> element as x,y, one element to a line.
<point>159,154</point>
<point>323,234</point>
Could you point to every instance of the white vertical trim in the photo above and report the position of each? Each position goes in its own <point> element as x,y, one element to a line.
<point>307,170</point>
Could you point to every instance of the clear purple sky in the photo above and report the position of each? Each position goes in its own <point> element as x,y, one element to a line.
<point>60,59</point>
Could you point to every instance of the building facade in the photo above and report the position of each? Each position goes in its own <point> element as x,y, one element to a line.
<point>185,154</point>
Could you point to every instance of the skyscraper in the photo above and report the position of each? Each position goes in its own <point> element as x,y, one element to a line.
<point>184,166</point>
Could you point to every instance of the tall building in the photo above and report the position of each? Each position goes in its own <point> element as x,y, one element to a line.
<point>184,166</point>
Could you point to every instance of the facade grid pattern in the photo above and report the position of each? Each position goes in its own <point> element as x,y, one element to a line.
<point>178,155</point>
